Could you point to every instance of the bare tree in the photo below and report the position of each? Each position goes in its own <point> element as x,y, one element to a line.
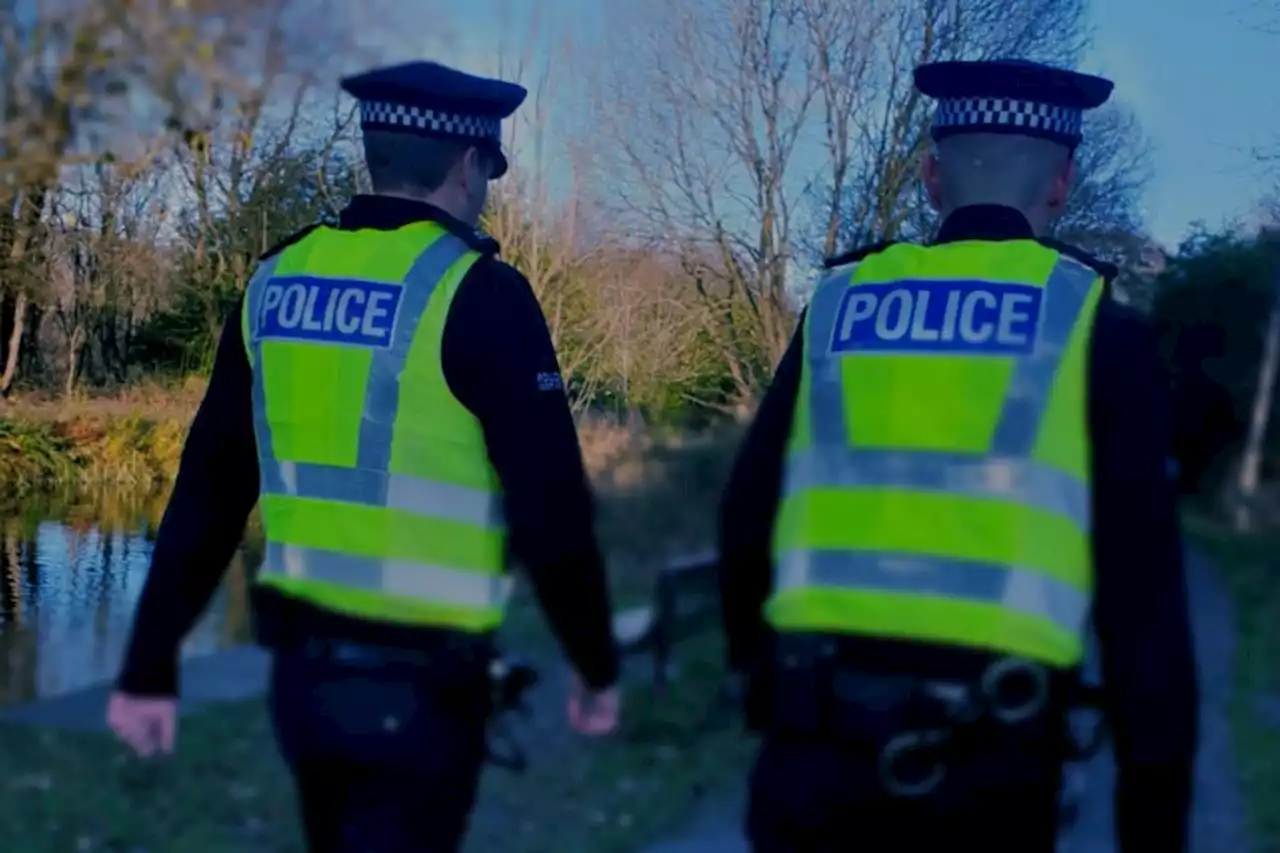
<point>537,212</point>
<point>889,139</point>
<point>1261,15</point>
<point>82,79</point>
<point>655,335</point>
<point>713,138</point>
<point>753,135</point>
<point>1251,459</point>
<point>846,62</point>
<point>106,266</point>
<point>41,109</point>
<point>1113,170</point>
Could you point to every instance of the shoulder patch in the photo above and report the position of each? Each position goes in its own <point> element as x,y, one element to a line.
<point>288,241</point>
<point>857,254</point>
<point>1107,270</point>
<point>484,244</point>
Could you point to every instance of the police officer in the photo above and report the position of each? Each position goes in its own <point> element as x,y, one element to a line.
<point>388,393</point>
<point>961,458</point>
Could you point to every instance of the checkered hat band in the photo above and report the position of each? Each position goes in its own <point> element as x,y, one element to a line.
<point>1005,112</point>
<point>383,114</point>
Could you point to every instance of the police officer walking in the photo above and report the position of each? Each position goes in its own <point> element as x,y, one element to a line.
<point>388,394</point>
<point>961,459</point>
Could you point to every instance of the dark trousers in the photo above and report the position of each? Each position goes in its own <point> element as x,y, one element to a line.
<point>814,796</point>
<point>382,764</point>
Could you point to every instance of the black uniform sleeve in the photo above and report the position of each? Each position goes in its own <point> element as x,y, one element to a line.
<point>1140,608</point>
<point>216,489</point>
<point>499,361</point>
<point>747,513</point>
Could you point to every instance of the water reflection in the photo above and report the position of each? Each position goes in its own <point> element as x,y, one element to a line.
<point>71,571</point>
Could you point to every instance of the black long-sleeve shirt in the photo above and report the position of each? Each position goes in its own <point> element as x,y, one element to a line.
<point>499,362</point>
<point>1140,600</point>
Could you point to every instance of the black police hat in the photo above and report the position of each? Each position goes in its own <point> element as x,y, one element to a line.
<point>430,99</point>
<point>1010,96</point>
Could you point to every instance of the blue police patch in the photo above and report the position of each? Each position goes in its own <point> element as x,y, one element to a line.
<point>969,317</point>
<point>329,310</point>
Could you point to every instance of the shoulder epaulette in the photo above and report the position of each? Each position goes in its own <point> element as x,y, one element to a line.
<point>485,244</point>
<point>288,241</point>
<point>857,254</point>
<point>1107,270</point>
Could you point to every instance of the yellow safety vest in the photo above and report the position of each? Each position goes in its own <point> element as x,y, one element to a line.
<point>378,498</point>
<point>937,483</point>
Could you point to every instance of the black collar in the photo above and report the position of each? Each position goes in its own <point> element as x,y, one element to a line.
<point>985,222</point>
<point>387,213</point>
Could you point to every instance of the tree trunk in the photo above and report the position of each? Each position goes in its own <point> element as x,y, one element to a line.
<point>1251,460</point>
<point>31,362</point>
<point>75,345</point>
<point>15,344</point>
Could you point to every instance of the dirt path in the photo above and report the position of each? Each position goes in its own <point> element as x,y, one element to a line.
<point>234,674</point>
<point>1218,824</point>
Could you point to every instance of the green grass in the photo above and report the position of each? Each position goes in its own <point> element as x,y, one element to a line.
<point>620,794</point>
<point>86,452</point>
<point>226,790</point>
<point>1251,565</point>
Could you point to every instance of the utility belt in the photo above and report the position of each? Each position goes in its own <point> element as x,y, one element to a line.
<point>466,672</point>
<point>917,728</point>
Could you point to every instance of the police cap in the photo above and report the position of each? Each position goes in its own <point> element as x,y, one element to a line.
<point>1010,96</point>
<point>430,99</point>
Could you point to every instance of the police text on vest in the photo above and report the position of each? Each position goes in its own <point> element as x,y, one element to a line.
<point>969,317</point>
<point>329,310</point>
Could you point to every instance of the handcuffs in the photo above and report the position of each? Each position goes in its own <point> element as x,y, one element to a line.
<point>509,680</point>
<point>1010,691</point>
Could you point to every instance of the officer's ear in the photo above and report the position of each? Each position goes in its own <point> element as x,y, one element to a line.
<point>1063,181</point>
<point>931,175</point>
<point>477,165</point>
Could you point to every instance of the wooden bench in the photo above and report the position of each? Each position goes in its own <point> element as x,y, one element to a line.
<point>686,600</point>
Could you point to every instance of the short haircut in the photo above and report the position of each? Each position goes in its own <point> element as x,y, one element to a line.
<point>400,161</point>
<point>998,168</point>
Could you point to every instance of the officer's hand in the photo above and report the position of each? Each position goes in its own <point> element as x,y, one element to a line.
<point>147,724</point>
<point>593,712</point>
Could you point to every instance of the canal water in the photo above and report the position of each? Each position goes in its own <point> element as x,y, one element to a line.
<point>71,571</point>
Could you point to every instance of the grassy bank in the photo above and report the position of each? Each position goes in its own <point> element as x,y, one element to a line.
<point>126,452</point>
<point>130,440</point>
<point>226,791</point>
<point>1251,565</point>
<point>657,494</point>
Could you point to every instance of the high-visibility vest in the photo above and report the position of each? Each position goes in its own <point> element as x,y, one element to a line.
<point>937,484</point>
<point>378,499</point>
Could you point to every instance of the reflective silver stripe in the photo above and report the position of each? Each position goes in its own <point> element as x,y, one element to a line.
<point>1019,480</point>
<point>393,491</point>
<point>269,474</point>
<point>1020,590</point>
<point>1032,384</point>
<point>382,394</point>
<point>434,584</point>
<point>826,388</point>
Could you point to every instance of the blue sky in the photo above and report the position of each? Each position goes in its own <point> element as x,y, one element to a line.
<point>1200,78</point>
<point>1203,82</point>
